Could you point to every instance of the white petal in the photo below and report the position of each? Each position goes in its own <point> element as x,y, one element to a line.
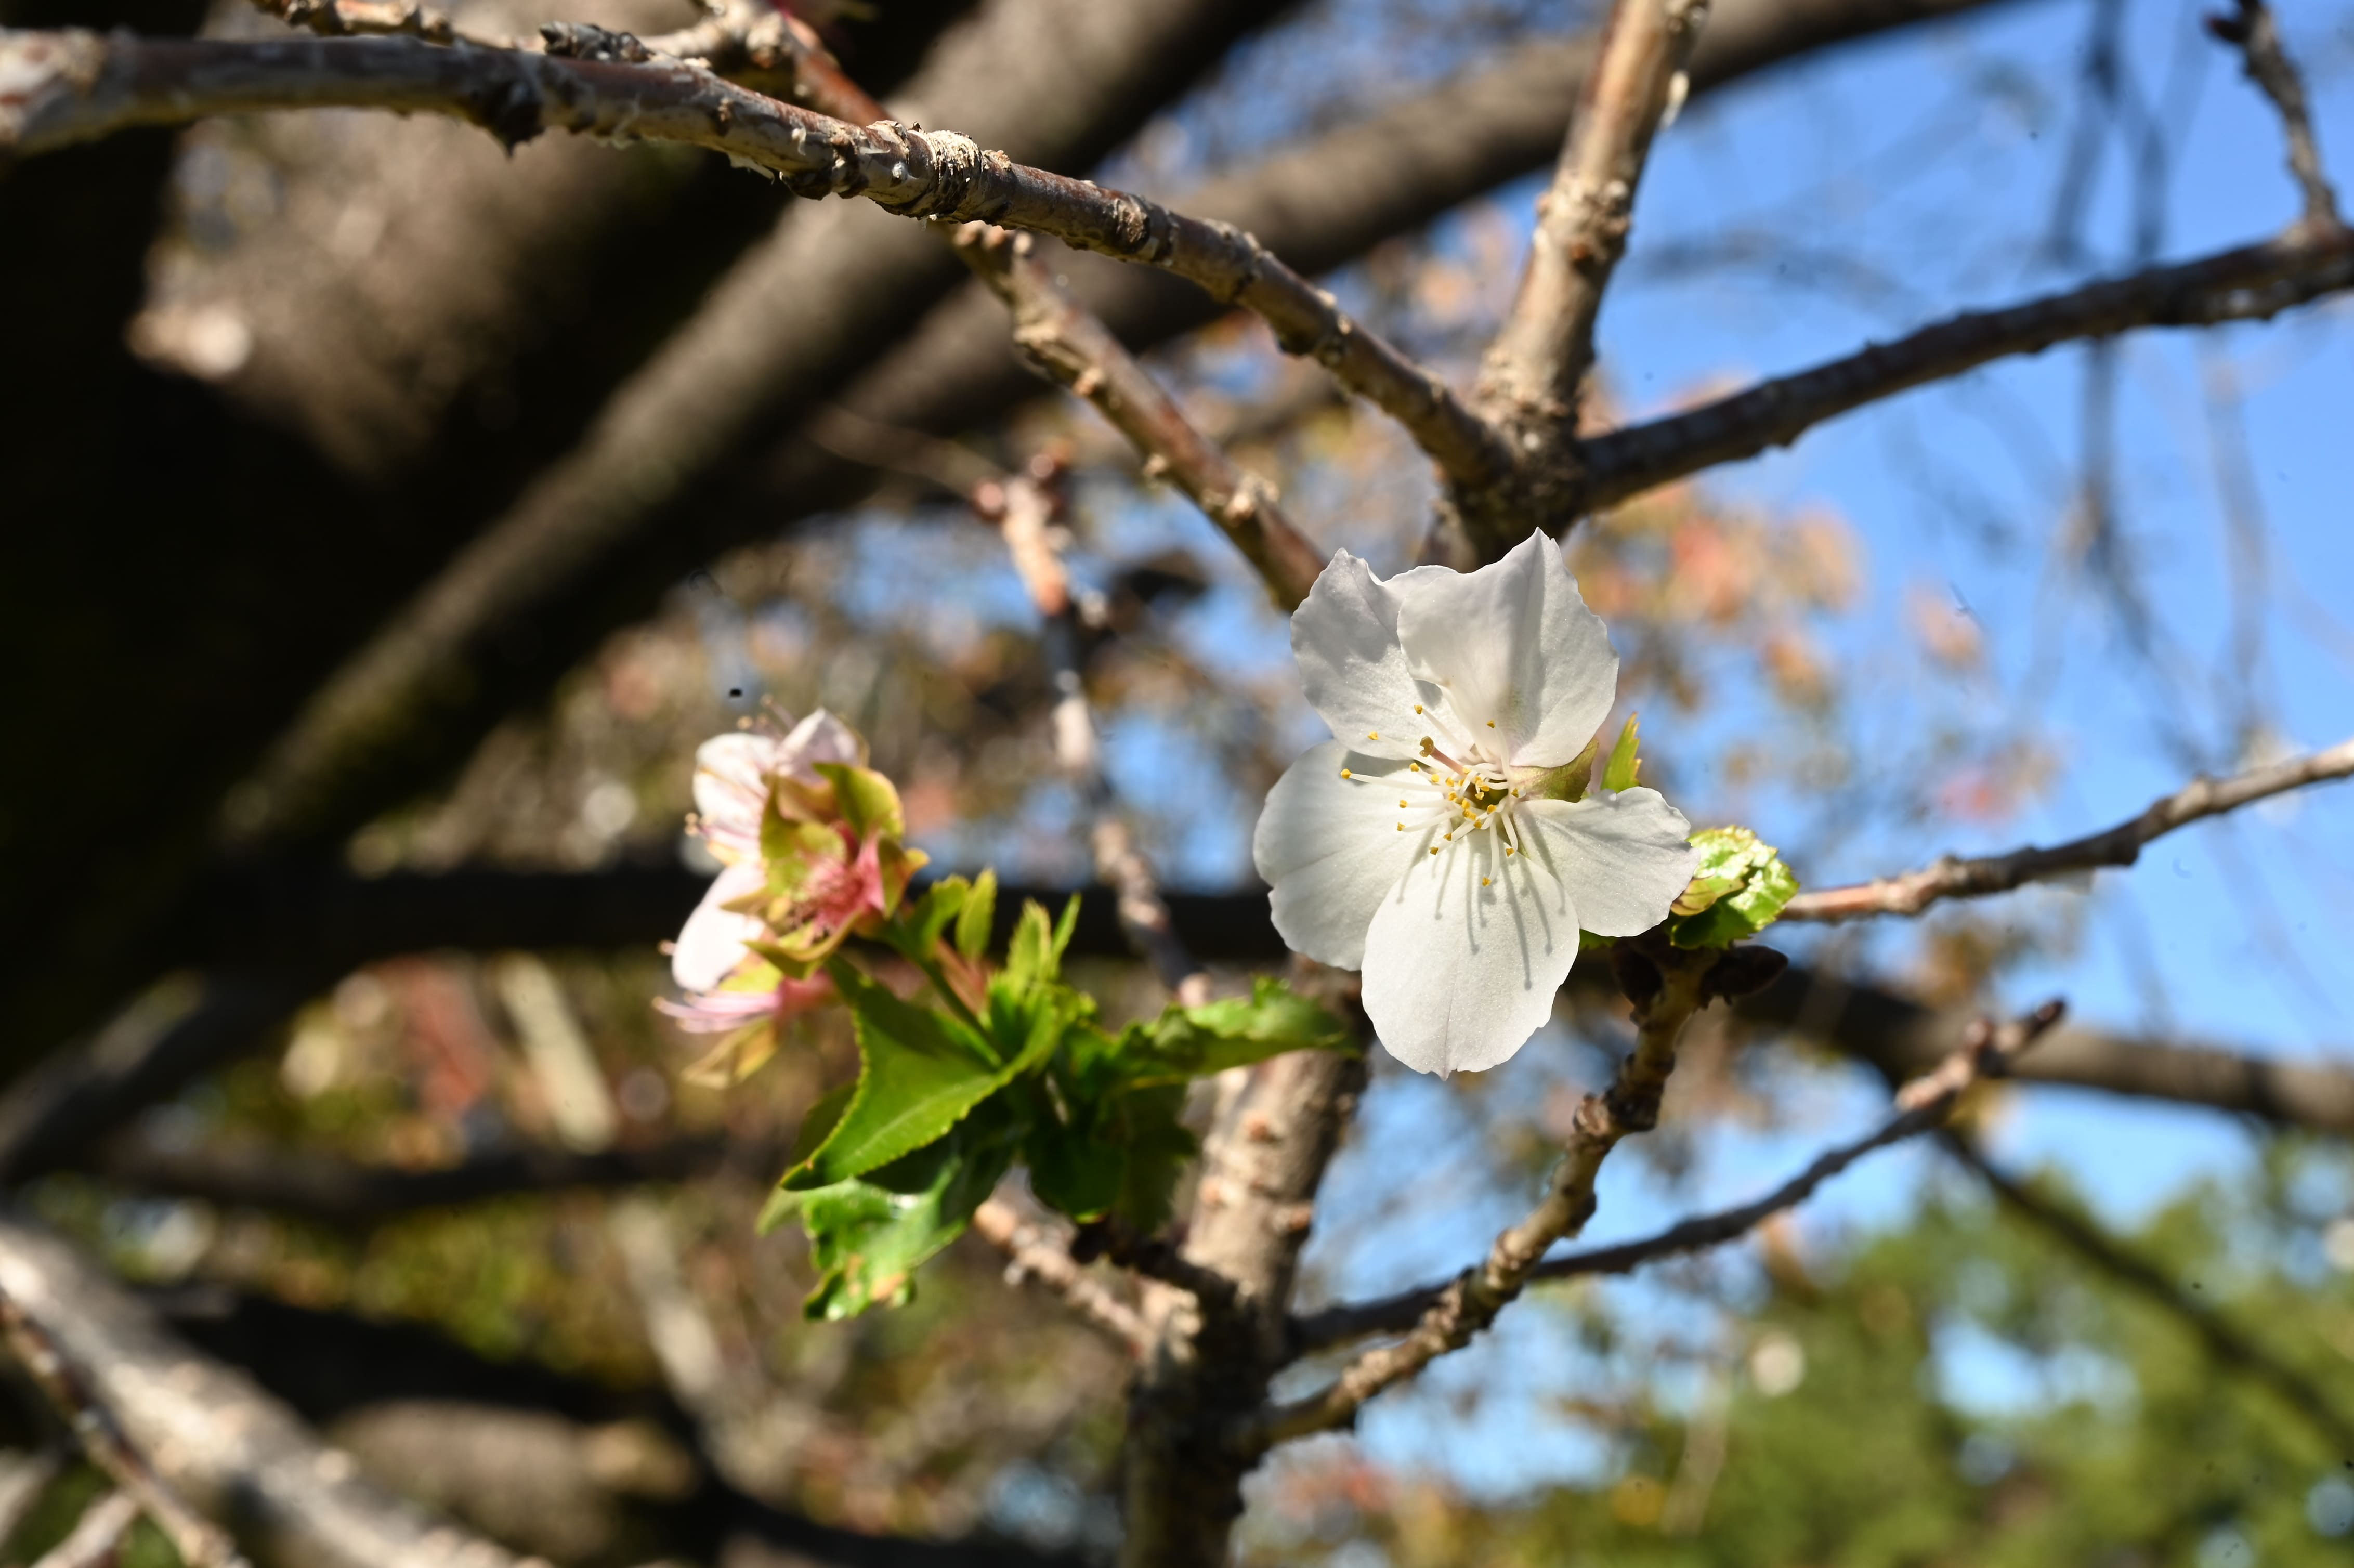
<point>1345,636</point>
<point>820,737</point>
<point>1330,847</point>
<point>1457,976</point>
<point>1623,857</point>
<point>1513,642</point>
<point>712,942</point>
<point>731,780</point>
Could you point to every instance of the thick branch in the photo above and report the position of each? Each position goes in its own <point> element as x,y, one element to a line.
<point>2257,37</point>
<point>2253,283</point>
<point>1470,1302</point>
<point>1545,346</point>
<point>69,87</point>
<point>1923,1106</point>
<point>1078,351</point>
<point>200,1543</point>
<point>1954,878</point>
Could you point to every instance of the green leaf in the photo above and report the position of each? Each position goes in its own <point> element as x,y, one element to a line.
<point>919,1073</point>
<point>1126,1159</point>
<point>973,921</point>
<point>1739,889</point>
<point>1033,956</point>
<point>868,1236</point>
<point>1624,765</point>
<point>918,931</point>
<point>1195,1042</point>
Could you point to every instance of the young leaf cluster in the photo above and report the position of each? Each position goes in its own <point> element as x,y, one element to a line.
<point>1002,1065</point>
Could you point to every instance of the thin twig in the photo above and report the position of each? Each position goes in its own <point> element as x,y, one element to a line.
<point>1922,1106</point>
<point>355,19</point>
<point>2252,282</point>
<point>1024,507</point>
<point>1954,878</point>
<point>67,87</point>
<point>97,1538</point>
<point>1668,997</point>
<point>200,1543</point>
<point>2226,1343</point>
<point>2257,37</point>
<point>1078,351</point>
<point>1035,1252</point>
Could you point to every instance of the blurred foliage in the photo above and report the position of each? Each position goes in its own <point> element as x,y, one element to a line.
<point>1963,1391</point>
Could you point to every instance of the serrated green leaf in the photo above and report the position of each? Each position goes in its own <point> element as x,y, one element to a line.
<point>1624,767</point>
<point>1738,891</point>
<point>1196,1041</point>
<point>974,920</point>
<point>919,1073</point>
<point>869,1235</point>
<point>1033,957</point>
<point>919,929</point>
<point>1126,1160</point>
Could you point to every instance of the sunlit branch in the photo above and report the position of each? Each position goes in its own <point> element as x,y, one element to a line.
<point>1035,1252</point>
<point>96,1426</point>
<point>1955,877</point>
<point>1470,1302</point>
<point>2253,283</point>
<point>1547,343</point>
<point>1923,1106</point>
<point>1081,353</point>
<point>69,87</point>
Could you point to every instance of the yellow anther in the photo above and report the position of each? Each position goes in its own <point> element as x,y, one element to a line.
<point>1508,849</point>
<point>1449,837</point>
<point>1492,723</point>
<point>1401,805</point>
<point>1346,774</point>
<point>1433,849</point>
<point>1400,827</point>
<point>1373,735</point>
<point>1418,707</point>
<point>1483,882</point>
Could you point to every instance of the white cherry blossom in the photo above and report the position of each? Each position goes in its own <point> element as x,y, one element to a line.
<point>731,790</point>
<point>1427,844</point>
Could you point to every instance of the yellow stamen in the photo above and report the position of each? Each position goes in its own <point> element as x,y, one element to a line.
<point>1483,882</point>
<point>1492,723</point>
<point>1418,707</point>
<point>1373,735</point>
<point>1433,849</point>
<point>1346,774</point>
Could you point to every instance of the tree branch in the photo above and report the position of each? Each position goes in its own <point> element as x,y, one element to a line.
<point>97,1538</point>
<point>1923,1105</point>
<point>1666,999</point>
<point>200,1543</point>
<point>69,87</point>
<point>1078,351</point>
<point>2257,35</point>
<point>2253,283</point>
<point>2224,1343</point>
<point>1955,877</point>
<point>1534,369</point>
<point>1035,1252</point>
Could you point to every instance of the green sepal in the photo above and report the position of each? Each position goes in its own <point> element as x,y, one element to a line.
<point>866,800</point>
<point>919,1073</point>
<point>974,920</point>
<point>1624,767</point>
<point>1739,889</point>
<point>1571,779</point>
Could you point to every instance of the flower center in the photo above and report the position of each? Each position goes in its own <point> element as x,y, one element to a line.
<point>1458,789</point>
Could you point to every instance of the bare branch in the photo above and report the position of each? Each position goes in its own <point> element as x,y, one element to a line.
<point>1468,1303</point>
<point>69,87</point>
<point>1078,351</point>
<point>200,1543</point>
<point>2223,1341</point>
<point>1533,371</point>
<point>2257,35</point>
<point>2253,283</point>
<point>353,18</point>
<point>97,1538</point>
<point>1954,878</point>
<point>1035,1252</point>
<point>1923,1106</point>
